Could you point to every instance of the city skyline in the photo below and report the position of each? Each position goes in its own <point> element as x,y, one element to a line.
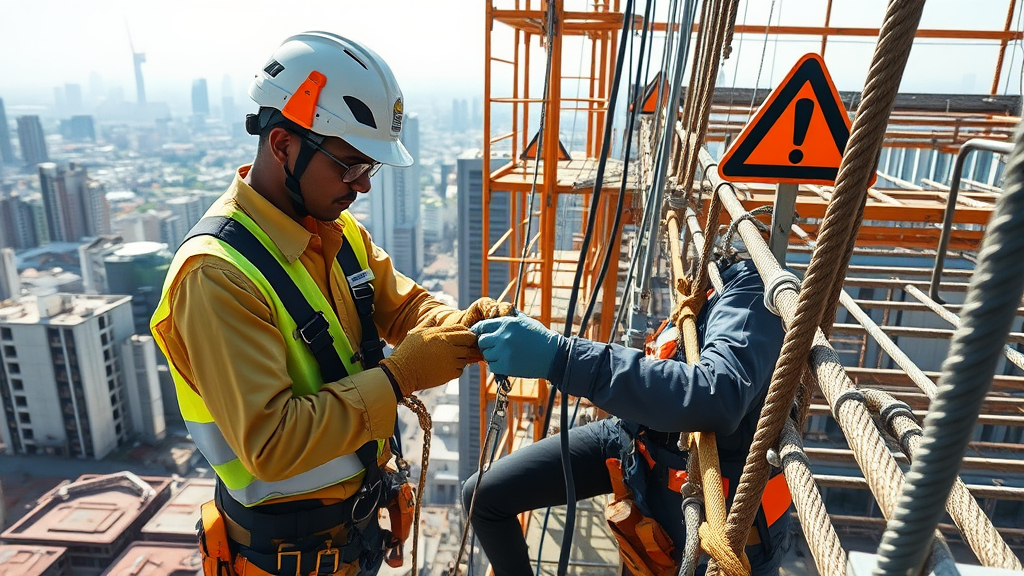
<point>432,64</point>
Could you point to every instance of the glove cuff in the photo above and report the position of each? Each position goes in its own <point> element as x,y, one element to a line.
<point>394,381</point>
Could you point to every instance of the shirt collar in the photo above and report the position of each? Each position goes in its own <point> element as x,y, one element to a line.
<point>290,237</point>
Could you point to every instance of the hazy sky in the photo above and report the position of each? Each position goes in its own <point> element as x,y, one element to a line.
<point>435,47</point>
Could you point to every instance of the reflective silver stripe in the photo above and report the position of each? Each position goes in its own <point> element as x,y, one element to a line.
<point>337,470</point>
<point>211,442</point>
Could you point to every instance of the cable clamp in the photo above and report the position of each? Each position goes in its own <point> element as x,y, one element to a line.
<point>894,409</point>
<point>783,279</point>
<point>848,395</point>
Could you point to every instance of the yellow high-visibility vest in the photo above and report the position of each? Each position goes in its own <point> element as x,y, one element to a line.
<point>302,365</point>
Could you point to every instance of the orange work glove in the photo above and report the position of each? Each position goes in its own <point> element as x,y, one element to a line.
<point>430,357</point>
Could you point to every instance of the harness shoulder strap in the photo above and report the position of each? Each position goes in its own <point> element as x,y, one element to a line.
<point>371,348</point>
<point>312,324</point>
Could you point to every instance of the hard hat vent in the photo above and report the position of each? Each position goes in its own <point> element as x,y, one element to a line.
<point>360,111</point>
<point>273,68</point>
<point>353,56</point>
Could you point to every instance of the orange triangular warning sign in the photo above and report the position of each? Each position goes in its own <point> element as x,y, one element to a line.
<point>797,135</point>
<point>531,150</point>
<point>649,99</point>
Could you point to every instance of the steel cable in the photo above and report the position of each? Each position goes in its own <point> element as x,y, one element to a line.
<point>975,527</point>
<point>990,307</point>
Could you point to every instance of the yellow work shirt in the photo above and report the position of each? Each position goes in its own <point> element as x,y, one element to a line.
<point>221,337</point>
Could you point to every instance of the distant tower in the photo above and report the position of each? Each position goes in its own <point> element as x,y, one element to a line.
<point>139,58</point>
<point>32,139</point>
<point>200,98</point>
<point>470,182</point>
<point>227,100</point>
<point>395,214</point>
<point>6,151</point>
<point>66,200</point>
<point>73,97</point>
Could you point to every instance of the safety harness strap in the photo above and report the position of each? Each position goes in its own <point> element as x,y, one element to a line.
<point>371,347</point>
<point>312,324</point>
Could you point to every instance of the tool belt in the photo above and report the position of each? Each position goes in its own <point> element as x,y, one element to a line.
<point>306,536</point>
<point>644,545</point>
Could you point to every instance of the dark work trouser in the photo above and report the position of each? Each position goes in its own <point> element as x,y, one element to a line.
<point>531,478</point>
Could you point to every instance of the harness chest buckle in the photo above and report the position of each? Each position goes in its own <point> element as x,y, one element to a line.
<point>316,332</point>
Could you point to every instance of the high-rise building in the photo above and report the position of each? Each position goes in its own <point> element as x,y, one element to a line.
<point>62,381</point>
<point>10,283</point>
<point>96,209</point>
<point>79,128</point>
<point>200,98</point>
<point>471,248</point>
<point>138,269</point>
<point>147,407</point>
<point>73,97</point>
<point>189,209</point>
<point>138,58</point>
<point>91,260</point>
<point>32,140</point>
<point>395,213</point>
<point>65,200</point>
<point>17,224</point>
<point>6,150</point>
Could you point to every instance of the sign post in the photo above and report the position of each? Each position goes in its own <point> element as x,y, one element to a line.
<point>797,136</point>
<point>782,220</point>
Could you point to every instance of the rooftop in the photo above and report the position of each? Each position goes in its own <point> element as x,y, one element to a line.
<point>94,509</point>
<point>157,559</point>
<point>57,309</point>
<point>18,560</point>
<point>177,519</point>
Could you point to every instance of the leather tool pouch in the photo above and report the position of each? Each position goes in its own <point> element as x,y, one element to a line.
<point>213,542</point>
<point>644,546</point>
<point>401,511</point>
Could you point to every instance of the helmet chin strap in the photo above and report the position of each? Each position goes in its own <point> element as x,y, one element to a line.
<point>291,180</point>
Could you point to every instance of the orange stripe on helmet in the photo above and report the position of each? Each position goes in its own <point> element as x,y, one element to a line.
<point>301,106</point>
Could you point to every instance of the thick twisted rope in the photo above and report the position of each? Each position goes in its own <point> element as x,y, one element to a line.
<point>895,40</point>
<point>827,550</point>
<point>976,528</point>
<point>829,262</point>
<point>989,310</point>
<point>697,113</point>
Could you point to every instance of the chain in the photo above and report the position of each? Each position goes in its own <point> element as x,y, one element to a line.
<point>416,405</point>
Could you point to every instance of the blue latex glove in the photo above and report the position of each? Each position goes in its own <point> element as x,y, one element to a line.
<point>517,346</point>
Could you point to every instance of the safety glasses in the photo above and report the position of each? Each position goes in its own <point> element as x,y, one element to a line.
<point>352,171</point>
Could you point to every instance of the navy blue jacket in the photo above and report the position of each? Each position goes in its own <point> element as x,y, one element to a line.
<point>723,393</point>
<point>740,343</point>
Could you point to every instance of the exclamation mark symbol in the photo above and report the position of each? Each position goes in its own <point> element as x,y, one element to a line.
<point>804,109</point>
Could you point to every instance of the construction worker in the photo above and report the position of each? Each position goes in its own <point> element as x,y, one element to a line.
<point>271,319</point>
<point>635,456</point>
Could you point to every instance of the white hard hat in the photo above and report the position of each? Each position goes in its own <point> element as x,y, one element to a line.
<point>337,88</point>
